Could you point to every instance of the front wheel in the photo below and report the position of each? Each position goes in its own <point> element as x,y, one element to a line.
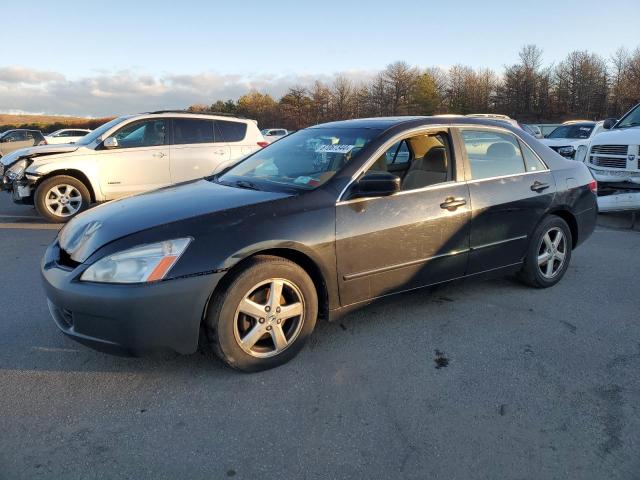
<point>263,315</point>
<point>60,198</point>
<point>549,253</point>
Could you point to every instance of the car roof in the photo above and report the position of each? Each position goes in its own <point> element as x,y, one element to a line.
<point>384,123</point>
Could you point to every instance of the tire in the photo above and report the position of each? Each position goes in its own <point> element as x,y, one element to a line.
<point>536,272</point>
<point>52,200</point>
<point>262,338</point>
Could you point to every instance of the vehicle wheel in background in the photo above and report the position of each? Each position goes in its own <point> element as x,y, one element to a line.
<point>263,315</point>
<point>60,198</point>
<point>549,253</point>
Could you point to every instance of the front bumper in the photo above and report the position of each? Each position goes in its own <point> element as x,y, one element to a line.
<point>127,319</point>
<point>616,176</point>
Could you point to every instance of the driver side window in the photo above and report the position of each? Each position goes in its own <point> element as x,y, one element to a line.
<point>147,133</point>
<point>420,161</point>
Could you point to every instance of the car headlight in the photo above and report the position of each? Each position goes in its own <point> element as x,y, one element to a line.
<point>566,151</point>
<point>146,263</point>
<point>581,153</point>
<point>16,171</point>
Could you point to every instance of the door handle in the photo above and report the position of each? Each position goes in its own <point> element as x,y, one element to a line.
<point>451,203</point>
<point>159,155</point>
<point>539,186</point>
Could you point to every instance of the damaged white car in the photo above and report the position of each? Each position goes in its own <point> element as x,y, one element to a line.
<point>613,158</point>
<point>128,155</point>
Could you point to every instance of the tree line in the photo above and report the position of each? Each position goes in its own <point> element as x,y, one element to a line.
<point>583,85</point>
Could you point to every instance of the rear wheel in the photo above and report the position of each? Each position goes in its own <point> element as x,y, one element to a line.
<point>264,314</point>
<point>60,198</point>
<point>549,253</point>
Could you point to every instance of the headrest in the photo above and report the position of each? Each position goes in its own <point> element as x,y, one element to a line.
<point>501,150</point>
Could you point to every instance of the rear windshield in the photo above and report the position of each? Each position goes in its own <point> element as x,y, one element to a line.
<point>572,131</point>
<point>302,161</point>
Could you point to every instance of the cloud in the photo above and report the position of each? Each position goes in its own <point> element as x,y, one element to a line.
<point>127,91</point>
<point>17,74</point>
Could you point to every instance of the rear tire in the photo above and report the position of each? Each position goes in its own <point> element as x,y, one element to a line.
<point>58,199</point>
<point>263,315</point>
<point>548,254</point>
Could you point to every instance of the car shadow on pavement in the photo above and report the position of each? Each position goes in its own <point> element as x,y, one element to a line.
<point>61,354</point>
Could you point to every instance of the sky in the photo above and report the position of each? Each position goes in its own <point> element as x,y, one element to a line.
<point>102,59</point>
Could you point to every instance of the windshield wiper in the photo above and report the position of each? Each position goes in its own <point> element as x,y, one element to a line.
<point>245,184</point>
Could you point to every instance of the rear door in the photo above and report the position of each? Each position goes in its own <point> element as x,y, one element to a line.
<point>195,151</point>
<point>235,136</point>
<point>139,163</point>
<point>511,189</point>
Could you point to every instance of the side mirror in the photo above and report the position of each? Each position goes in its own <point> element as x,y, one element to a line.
<point>376,184</point>
<point>110,142</point>
<point>609,123</point>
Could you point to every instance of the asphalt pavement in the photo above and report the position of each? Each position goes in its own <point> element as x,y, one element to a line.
<point>481,379</point>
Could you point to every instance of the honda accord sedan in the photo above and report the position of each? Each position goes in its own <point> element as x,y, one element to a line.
<point>320,222</point>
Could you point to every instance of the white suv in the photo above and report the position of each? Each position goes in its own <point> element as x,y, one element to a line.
<point>128,155</point>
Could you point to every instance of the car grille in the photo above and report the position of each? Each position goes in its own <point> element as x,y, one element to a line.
<point>609,150</point>
<point>609,162</point>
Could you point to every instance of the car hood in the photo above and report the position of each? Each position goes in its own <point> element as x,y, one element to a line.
<point>96,227</point>
<point>37,151</point>
<point>618,136</point>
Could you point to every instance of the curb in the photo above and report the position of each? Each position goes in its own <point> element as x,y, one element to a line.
<point>621,220</point>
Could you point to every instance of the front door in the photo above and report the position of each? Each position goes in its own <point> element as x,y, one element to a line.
<point>413,238</point>
<point>139,163</point>
<point>510,190</point>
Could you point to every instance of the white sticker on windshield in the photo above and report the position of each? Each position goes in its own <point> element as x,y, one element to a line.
<point>343,149</point>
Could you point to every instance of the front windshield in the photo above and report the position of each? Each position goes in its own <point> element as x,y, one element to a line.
<point>97,133</point>
<point>301,161</point>
<point>631,120</point>
<point>577,131</point>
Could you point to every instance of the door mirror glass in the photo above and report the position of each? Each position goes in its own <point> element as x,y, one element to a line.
<point>111,142</point>
<point>376,184</point>
<point>609,123</point>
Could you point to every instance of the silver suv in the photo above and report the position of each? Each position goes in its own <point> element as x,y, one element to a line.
<point>128,155</point>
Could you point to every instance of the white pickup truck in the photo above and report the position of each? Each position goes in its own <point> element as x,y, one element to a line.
<point>614,159</point>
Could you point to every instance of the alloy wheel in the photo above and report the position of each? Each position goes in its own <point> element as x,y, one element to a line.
<point>269,318</point>
<point>63,200</point>
<point>552,252</point>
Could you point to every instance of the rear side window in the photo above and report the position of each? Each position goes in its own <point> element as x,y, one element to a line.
<point>192,130</point>
<point>492,154</point>
<point>227,131</point>
<point>531,160</point>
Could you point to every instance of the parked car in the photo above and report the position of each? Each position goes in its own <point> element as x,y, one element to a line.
<point>130,154</point>
<point>13,140</point>
<point>66,135</point>
<point>532,130</point>
<point>273,134</point>
<point>318,223</point>
<point>571,139</point>
<point>614,159</point>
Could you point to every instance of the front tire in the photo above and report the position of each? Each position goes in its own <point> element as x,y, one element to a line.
<point>58,199</point>
<point>548,254</point>
<point>263,315</point>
